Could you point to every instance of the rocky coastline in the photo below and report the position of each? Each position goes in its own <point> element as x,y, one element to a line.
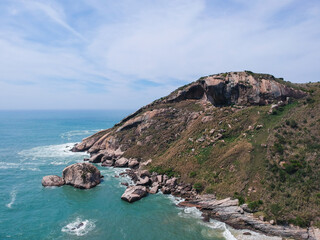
<point>229,133</point>
<point>225,210</point>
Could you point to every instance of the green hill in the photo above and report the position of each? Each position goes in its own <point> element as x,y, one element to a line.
<point>240,134</point>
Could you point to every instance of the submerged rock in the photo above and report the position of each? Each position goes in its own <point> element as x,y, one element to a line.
<point>82,175</point>
<point>52,180</point>
<point>134,193</point>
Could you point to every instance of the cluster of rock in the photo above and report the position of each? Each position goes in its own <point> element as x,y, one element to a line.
<point>241,217</point>
<point>78,175</point>
<point>226,210</point>
<point>144,181</point>
<point>152,183</point>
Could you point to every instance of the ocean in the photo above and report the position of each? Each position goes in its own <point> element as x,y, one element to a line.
<point>37,143</point>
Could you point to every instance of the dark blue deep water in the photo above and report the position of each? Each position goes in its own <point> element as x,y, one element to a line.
<point>36,143</point>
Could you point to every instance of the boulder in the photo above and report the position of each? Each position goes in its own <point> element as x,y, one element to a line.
<point>160,178</point>
<point>144,173</point>
<point>165,190</point>
<point>81,175</point>
<point>134,193</point>
<point>107,163</point>
<point>143,181</point>
<point>121,162</point>
<point>172,182</point>
<point>52,180</point>
<point>133,163</point>
<point>164,179</point>
<point>96,158</point>
<point>154,188</point>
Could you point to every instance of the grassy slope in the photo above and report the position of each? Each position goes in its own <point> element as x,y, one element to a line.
<point>275,168</point>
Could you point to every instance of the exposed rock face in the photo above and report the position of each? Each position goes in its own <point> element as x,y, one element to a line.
<point>240,88</point>
<point>52,180</point>
<point>134,193</point>
<point>82,175</point>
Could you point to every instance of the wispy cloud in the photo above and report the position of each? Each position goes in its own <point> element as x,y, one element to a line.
<point>103,54</point>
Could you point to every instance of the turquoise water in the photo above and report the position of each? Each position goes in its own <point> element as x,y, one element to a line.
<point>36,143</point>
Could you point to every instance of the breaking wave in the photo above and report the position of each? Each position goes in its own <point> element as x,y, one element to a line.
<point>68,135</point>
<point>51,151</point>
<point>13,195</point>
<point>79,227</point>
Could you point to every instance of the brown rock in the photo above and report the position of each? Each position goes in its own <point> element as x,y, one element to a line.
<point>52,180</point>
<point>134,193</point>
<point>133,163</point>
<point>122,162</point>
<point>81,175</point>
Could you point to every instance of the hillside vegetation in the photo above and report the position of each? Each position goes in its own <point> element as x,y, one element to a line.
<point>240,140</point>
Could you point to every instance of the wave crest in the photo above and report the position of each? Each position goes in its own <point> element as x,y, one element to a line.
<point>79,227</point>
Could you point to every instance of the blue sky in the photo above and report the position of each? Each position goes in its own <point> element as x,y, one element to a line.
<point>106,54</point>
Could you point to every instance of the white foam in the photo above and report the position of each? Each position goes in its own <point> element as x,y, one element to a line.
<point>68,135</point>
<point>13,195</point>
<point>110,172</point>
<point>79,227</point>
<point>8,165</point>
<point>51,151</point>
<point>175,200</point>
<point>232,234</point>
<point>35,169</point>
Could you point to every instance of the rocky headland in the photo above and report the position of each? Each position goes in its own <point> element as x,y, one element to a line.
<point>218,143</point>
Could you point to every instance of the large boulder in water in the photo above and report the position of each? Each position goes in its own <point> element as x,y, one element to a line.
<point>52,181</point>
<point>82,175</point>
<point>134,193</point>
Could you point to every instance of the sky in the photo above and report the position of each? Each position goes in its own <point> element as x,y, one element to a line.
<point>106,54</point>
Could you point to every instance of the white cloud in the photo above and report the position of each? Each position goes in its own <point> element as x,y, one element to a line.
<point>111,44</point>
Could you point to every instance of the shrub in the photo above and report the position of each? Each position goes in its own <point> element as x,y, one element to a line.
<point>275,209</point>
<point>160,170</point>
<point>192,174</point>
<point>254,206</point>
<point>198,187</point>
<point>240,198</point>
<point>292,123</point>
<point>310,100</point>
<point>278,148</point>
<point>299,221</point>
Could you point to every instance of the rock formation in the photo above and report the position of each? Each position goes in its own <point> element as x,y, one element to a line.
<point>52,180</point>
<point>134,193</point>
<point>82,175</point>
<point>78,175</point>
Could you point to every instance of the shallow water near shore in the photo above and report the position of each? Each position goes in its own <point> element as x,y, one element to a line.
<point>37,143</point>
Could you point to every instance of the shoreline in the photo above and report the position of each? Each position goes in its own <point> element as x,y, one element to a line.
<point>225,210</point>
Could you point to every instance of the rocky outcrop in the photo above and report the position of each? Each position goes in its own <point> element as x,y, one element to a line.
<point>228,211</point>
<point>241,88</point>
<point>82,175</point>
<point>134,193</point>
<point>52,180</point>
